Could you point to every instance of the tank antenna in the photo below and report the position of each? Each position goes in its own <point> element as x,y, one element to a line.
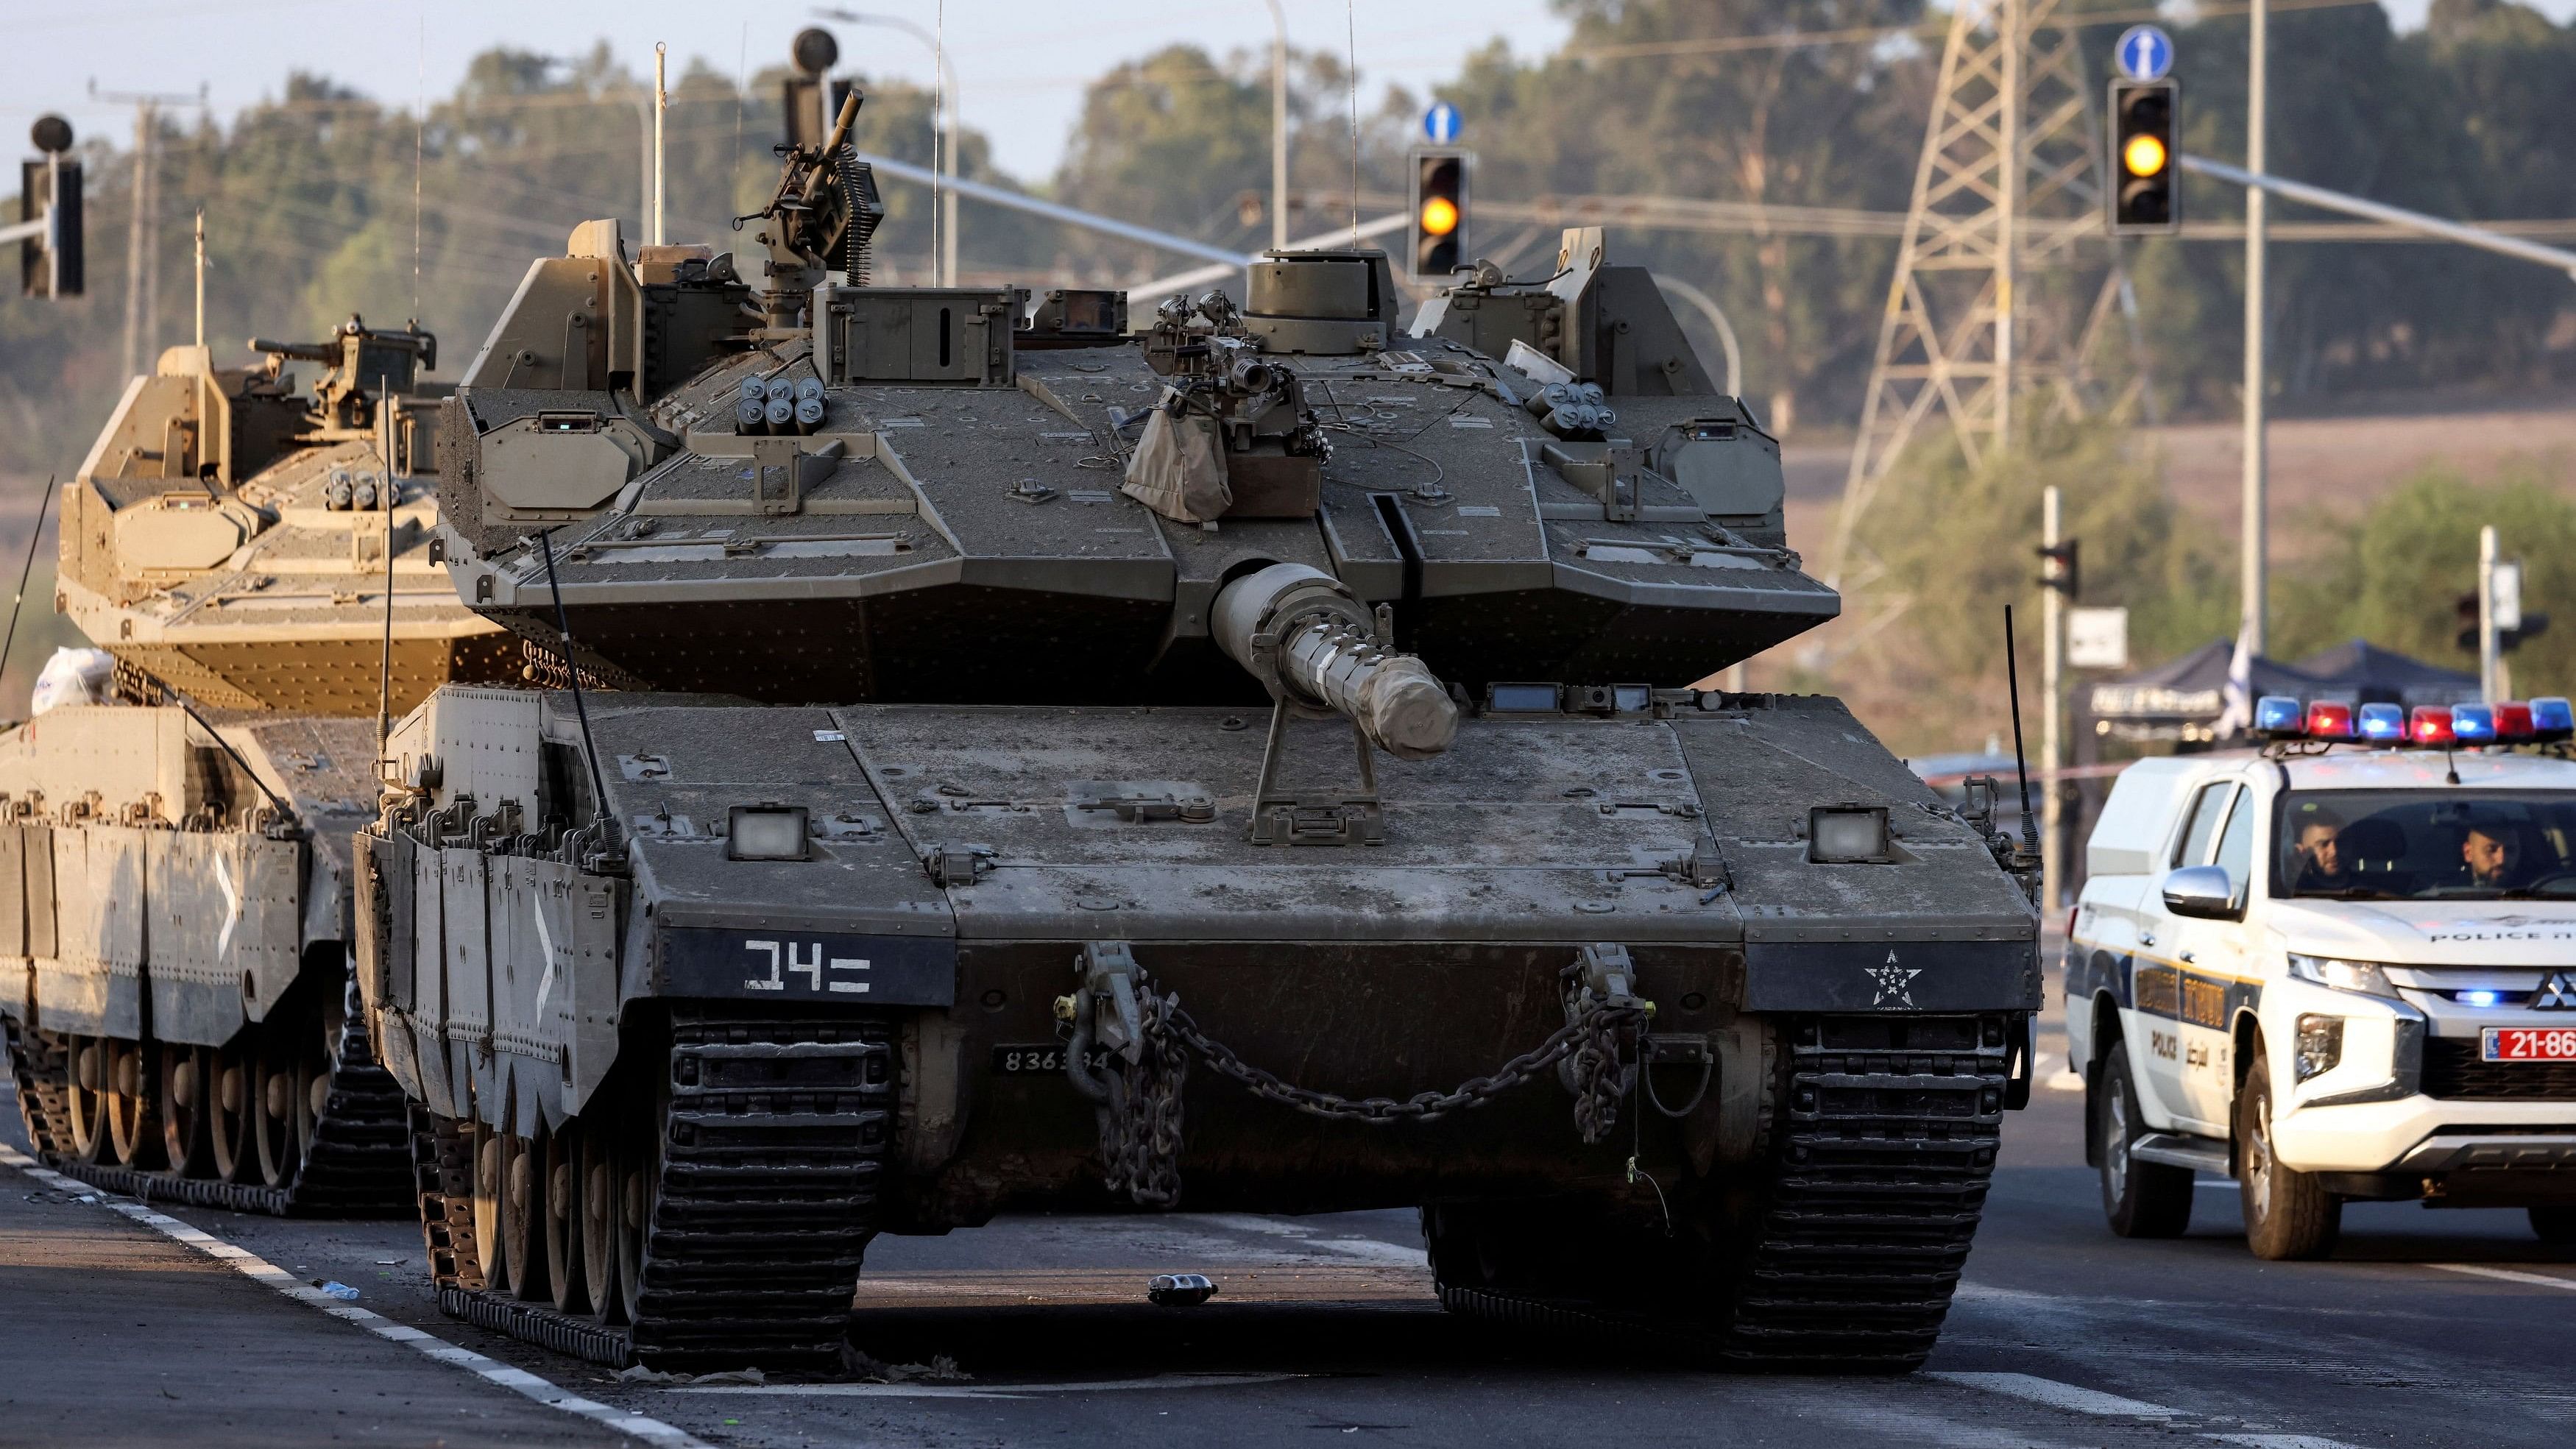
<point>661,103</point>
<point>572,677</point>
<point>201,276</point>
<point>24,571</point>
<point>2021,766</point>
<point>385,666</point>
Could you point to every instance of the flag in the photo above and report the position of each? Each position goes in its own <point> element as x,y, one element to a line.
<point>2236,714</point>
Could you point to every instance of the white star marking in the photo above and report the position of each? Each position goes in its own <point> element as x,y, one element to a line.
<point>1891,980</point>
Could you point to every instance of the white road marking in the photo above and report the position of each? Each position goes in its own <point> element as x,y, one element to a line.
<point>2279,1441</point>
<point>2060,1396</point>
<point>2508,1275</point>
<point>251,1265</point>
<point>982,1391</point>
<point>2217,1184</point>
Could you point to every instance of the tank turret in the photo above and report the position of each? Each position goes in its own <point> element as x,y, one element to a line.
<point>819,489</point>
<point>228,533</point>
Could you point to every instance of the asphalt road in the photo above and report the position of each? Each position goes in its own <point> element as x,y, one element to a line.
<point>2441,1328</point>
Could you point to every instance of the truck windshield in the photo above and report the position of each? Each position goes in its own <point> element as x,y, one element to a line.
<point>2426,845</point>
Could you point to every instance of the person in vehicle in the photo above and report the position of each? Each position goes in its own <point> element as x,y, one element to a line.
<point>2493,854</point>
<point>2321,864</point>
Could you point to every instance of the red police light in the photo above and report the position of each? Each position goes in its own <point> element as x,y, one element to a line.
<point>2513,720</point>
<point>2430,725</point>
<point>2329,720</point>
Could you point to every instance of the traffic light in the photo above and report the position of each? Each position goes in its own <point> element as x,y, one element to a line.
<point>2061,567</point>
<point>49,192</point>
<point>2531,622</point>
<point>2145,195</point>
<point>1439,214</point>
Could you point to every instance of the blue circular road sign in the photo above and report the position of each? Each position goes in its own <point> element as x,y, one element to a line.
<point>2145,53</point>
<point>1440,123</point>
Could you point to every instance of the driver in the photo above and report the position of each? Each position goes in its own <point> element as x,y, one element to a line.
<point>2494,856</point>
<point>2321,864</point>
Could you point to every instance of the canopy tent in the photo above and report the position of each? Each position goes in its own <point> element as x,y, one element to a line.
<point>2372,675</point>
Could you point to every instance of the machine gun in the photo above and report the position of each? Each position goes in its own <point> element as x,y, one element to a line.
<point>824,211</point>
<point>364,362</point>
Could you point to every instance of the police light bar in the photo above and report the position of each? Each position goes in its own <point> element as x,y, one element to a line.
<point>2382,724</point>
<point>2430,725</point>
<point>2552,719</point>
<point>2513,720</point>
<point>2277,715</point>
<point>2473,724</point>
<point>2330,720</point>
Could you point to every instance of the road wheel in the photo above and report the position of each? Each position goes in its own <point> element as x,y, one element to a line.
<point>490,1248</point>
<point>186,1095</point>
<point>598,1208</point>
<point>88,1098</point>
<point>133,1123</point>
<point>2141,1199</point>
<point>2288,1215</point>
<point>2554,1224</point>
<point>523,1208</point>
<point>233,1111</point>
<point>563,1218</point>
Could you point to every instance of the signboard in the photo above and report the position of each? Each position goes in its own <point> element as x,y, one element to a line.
<point>1441,123</point>
<point>2097,638</point>
<point>2145,53</point>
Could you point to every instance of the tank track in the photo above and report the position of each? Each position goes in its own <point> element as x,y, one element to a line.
<point>357,1165</point>
<point>775,1132</point>
<point>1880,1166</point>
<point>41,1068</point>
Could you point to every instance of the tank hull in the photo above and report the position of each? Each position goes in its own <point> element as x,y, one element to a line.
<point>177,959</point>
<point>961,862</point>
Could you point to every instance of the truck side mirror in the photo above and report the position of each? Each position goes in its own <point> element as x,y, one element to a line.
<point>2204,891</point>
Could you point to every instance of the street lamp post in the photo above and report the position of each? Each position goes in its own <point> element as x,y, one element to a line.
<point>1278,127</point>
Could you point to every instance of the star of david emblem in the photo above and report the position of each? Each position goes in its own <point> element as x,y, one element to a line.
<point>2557,993</point>
<point>1897,981</point>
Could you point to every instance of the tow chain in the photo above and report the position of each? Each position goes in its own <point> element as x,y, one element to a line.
<point>1139,1092</point>
<point>1140,1127</point>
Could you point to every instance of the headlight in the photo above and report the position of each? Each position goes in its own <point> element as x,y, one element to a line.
<point>2320,1044</point>
<point>2342,975</point>
<point>1847,834</point>
<point>766,832</point>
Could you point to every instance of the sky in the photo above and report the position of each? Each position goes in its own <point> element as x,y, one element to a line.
<point>1020,64</point>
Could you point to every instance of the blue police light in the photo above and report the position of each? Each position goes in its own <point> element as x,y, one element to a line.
<point>2552,718</point>
<point>2478,998</point>
<point>2473,724</point>
<point>2279,716</point>
<point>2383,723</point>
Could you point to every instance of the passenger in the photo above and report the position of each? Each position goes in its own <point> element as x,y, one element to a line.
<point>2494,857</point>
<point>2321,866</point>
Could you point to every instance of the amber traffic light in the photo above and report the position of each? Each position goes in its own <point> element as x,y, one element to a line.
<point>2145,194</point>
<point>1439,214</point>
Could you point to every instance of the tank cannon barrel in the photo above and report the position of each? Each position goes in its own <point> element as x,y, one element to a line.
<point>1306,638</point>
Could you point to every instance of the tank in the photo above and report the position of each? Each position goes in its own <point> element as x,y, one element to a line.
<point>261,562</point>
<point>1003,758</point>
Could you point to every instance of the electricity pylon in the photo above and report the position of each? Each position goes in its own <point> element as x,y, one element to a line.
<point>2004,280</point>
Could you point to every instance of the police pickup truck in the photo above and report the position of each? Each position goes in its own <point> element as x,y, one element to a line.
<point>2339,968</point>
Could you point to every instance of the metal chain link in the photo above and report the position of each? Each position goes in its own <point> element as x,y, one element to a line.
<point>1140,1125</point>
<point>1140,1129</point>
<point>1591,1038</point>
